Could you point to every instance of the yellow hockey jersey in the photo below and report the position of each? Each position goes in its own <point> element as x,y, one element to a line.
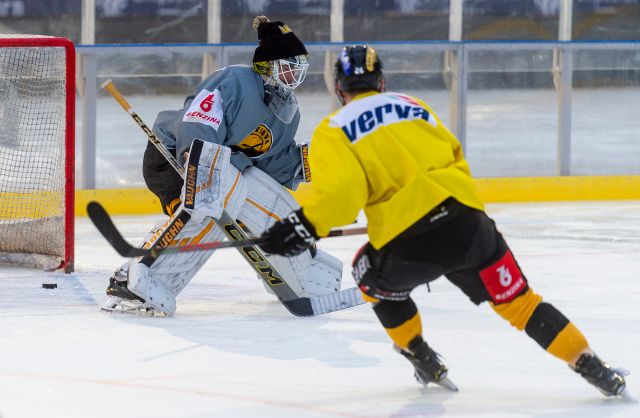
<point>389,154</point>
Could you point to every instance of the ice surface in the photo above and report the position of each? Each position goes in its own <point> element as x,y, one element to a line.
<point>233,351</point>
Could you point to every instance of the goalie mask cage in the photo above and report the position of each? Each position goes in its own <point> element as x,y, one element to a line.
<point>37,99</point>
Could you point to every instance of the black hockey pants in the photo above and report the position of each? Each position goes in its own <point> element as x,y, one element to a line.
<point>453,240</point>
<point>161,178</point>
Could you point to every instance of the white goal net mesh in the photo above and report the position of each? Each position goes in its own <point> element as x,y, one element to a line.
<point>32,149</point>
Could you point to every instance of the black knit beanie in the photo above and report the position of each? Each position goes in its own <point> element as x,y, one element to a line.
<point>277,41</point>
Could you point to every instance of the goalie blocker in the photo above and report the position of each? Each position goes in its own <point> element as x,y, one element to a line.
<point>213,185</point>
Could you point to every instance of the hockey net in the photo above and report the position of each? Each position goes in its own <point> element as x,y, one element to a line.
<point>37,100</point>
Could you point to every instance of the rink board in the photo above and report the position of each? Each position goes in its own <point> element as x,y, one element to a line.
<point>137,201</point>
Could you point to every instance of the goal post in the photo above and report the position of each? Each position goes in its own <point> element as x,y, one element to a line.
<point>37,141</point>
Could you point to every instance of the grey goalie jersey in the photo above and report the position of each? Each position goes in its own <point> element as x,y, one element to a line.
<point>228,108</point>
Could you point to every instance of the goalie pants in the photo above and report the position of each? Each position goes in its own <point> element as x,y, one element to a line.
<point>161,179</point>
<point>462,244</point>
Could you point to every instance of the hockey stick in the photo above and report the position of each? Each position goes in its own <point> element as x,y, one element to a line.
<point>298,306</point>
<point>107,228</point>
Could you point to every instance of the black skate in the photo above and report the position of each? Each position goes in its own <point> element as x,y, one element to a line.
<point>428,366</point>
<point>122,300</point>
<point>118,288</point>
<point>607,380</point>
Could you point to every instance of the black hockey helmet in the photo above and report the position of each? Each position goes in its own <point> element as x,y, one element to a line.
<point>358,68</point>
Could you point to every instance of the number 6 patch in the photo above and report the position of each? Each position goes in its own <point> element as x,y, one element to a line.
<point>206,108</point>
<point>503,279</point>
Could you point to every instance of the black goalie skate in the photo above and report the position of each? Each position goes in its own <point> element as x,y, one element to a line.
<point>118,288</point>
<point>122,300</point>
<point>607,380</point>
<point>428,366</point>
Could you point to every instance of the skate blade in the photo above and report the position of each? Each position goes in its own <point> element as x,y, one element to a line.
<point>627,397</point>
<point>447,384</point>
<point>133,312</point>
<point>135,308</point>
<point>621,371</point>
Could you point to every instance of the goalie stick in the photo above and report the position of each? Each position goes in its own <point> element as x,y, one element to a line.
<point>103,222</point>
<point>304,306</point>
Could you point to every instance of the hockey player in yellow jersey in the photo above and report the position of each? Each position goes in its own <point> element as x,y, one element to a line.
<point>389,154</point>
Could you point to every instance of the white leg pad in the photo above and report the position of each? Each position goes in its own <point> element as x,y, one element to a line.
<point>159,281</point>
<point>156,294</point>
<point>267,202</point>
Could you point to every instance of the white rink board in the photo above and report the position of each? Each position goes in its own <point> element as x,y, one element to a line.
<point>232,351</point>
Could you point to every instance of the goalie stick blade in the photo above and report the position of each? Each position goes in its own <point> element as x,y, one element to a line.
<point>104,224</point>
<point>318,305</point>
<point>107,228</point>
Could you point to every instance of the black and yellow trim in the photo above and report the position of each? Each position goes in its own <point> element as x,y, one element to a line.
<point>545,325</point>
<point>171,207</point>
<point>400,320</point>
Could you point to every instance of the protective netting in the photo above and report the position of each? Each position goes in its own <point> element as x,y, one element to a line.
<point>32,149</point>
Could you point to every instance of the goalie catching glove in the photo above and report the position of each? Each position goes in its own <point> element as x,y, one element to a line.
<point>290,236</point>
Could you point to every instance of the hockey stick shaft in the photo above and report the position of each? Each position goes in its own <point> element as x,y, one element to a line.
<point>338,232</point>
<point>111,88</point>
<point>107,228</point>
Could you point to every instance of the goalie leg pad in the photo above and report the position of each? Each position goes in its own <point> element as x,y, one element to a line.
<point>267,202</point>
<point>210,180</point>
<point>156,294</point>
<point>159,280</point>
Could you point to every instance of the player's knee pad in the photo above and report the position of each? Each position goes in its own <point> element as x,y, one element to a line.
<point>555,333</point>
<point>267,202</point>
<point>545,324</point>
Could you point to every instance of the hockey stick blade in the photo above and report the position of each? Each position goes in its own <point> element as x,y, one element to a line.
<point>107,228</point>
<point>318,305</point>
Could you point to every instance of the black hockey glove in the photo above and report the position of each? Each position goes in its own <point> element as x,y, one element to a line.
<point>289,236</point>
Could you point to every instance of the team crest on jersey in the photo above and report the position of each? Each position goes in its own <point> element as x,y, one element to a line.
<point>257,142</point>
<point>206,109</point>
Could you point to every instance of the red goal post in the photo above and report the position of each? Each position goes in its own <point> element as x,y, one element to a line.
<point>37,141</point>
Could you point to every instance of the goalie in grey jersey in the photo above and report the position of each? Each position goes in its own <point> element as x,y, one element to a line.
<point>236,134</point>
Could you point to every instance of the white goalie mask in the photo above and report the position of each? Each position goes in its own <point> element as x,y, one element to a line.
<point>289,72</point>
<point>284,75</point>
